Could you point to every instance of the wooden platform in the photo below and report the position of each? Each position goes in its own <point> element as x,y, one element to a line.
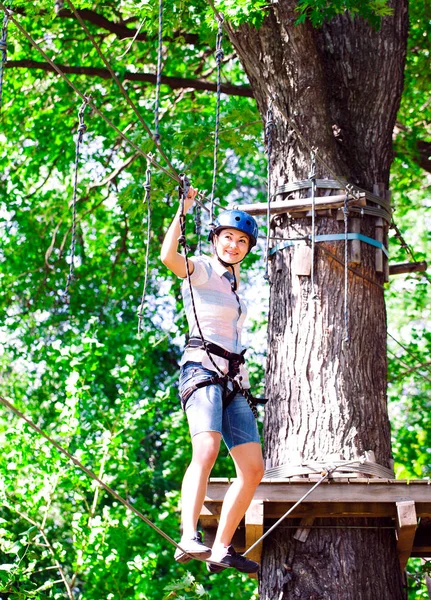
<point>406,504</point>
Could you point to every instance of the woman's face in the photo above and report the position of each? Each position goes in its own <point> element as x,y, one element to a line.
<point>231,245</point>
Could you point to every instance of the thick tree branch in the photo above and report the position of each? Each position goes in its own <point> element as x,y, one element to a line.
<point>120,29</point>
<point>172,82</point>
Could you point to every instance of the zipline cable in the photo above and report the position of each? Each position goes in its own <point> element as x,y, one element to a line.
<point>120,85</point>
<point>330,469</point>
<point>82,128</point>
<point>94,477</point>
<point>173,176</point>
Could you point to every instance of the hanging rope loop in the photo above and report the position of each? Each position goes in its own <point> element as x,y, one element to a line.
<point>82,128</point>
<point>183,190</point>
<point>147,200</point>
<point>3,50</point>
<point>346,339</point>
<point>219,57</point>
<point>312,178</point>
<point>268,134</point>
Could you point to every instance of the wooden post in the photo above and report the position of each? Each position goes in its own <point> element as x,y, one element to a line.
<point>301,264</point>
<point>379,190</point>
<point>406,528</point>
<point>254,528</point>
<point>379,252</point>
<point>355,247</point>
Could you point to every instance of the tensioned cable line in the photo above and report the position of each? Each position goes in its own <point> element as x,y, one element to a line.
<point>93,476</point>
<point>324,476</point>
<point>84,97</point>
<point>126,96</point>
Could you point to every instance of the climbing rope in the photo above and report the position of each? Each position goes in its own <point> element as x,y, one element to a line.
<point>126,96</point>
<point>346,269</point>
<point>158,75</point>
<point>219,57</point>
<point>183,191</point>
<point>147,201</point>
<point>312,178</point>
<point>82,128</point>
<point>198,227</point>
<point>268,130</point>
<point>3,50</point>
<point>94,477</point>
<point>173,175</point>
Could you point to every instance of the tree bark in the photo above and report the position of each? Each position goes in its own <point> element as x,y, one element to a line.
<point>341,86</point>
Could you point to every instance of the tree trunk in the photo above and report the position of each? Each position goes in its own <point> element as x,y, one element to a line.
<point>341,85</point>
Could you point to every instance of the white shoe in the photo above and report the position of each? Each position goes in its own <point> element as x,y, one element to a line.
<point>193,546</point>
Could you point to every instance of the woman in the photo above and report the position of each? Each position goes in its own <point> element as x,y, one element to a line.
<point>216,409</point>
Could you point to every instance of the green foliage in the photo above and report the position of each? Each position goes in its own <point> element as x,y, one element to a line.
<point>318,11</point>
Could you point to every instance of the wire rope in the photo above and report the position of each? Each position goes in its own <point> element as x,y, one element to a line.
<point>120,85</point>
<point>94,477</point>
<point>173,176</point>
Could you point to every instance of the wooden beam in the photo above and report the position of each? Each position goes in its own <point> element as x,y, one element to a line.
<point>406,529</point>
<point>359,494</point>
<point>298,205</point>
<point>254,529</point>
<point>410,267</point>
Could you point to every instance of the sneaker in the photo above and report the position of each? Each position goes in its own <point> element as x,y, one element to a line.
<point>193,546</point>
<point>235,560</point>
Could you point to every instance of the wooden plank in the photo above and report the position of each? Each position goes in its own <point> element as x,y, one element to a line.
<point>254,529</point>
<point>302,533</point>
<point>367,491</point>
<point>298,205</point>
<point>406,529</point>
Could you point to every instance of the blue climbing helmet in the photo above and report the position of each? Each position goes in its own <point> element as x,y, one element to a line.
<point>236,219</point>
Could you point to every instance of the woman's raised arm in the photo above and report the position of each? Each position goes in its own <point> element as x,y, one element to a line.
<point>169,254</point>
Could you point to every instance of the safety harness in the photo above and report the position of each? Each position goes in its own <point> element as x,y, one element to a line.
<point>235,361</point>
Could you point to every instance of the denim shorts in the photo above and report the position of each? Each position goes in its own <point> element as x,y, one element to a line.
<point>204,409</point>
